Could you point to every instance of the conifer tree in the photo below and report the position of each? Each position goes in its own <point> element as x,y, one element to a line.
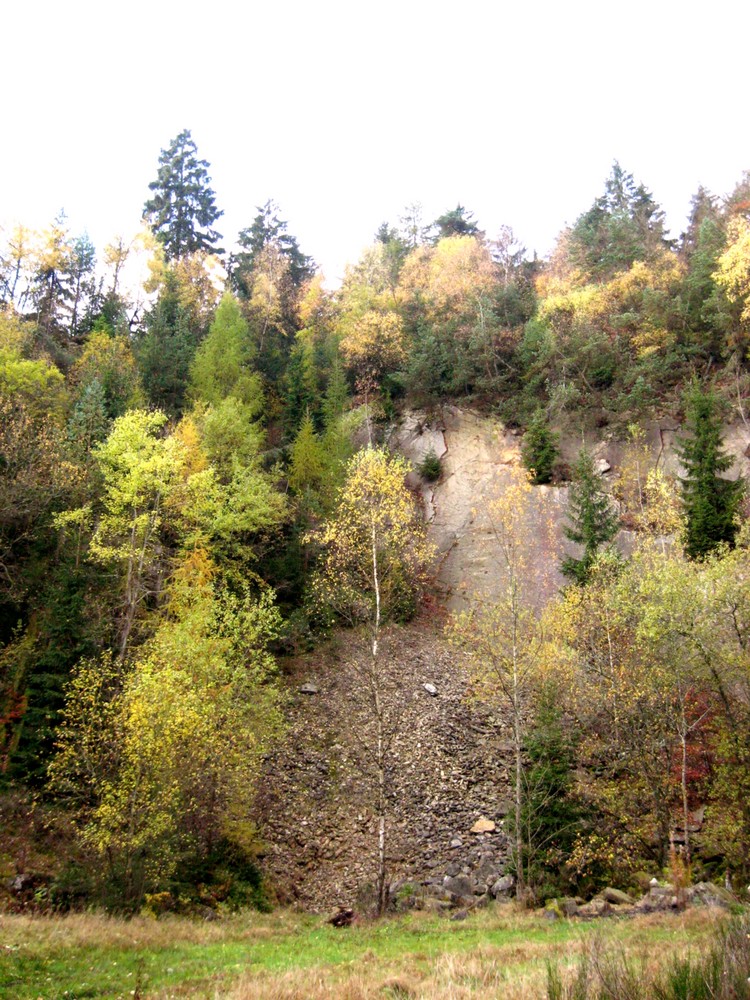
<point>593,523</point>
<point>337,394</point>
<point>302,397</point>
<point>710,502</point>
<point>308,465</point>
<point>182,209</point>
<point>540,449</point>
<point>222,365</point>
<point>268,230</point>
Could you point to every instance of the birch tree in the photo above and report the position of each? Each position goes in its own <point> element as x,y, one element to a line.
<point>373,568</point>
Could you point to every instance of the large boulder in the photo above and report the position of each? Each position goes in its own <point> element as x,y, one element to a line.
<point>710,894</point>
<point>503,887</point>
<point>616,897</point>
<point>459,885</point>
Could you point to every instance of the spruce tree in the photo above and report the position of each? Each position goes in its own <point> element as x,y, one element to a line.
<point>710,502</point>
<point>539,449</point>
<point>593,523</point>
<point>267,230</point>
<point>182,209</point>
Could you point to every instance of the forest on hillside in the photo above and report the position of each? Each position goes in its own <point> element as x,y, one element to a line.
<point>193,484</point>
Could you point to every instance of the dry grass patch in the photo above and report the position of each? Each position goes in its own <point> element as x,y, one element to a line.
<point>81,930</point>
<point>513,970</point>
<point>285,955</point>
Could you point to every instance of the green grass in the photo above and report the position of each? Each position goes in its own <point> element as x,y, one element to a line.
<point>291,955</point>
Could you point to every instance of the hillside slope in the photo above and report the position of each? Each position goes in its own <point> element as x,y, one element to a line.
<point>451,754</point>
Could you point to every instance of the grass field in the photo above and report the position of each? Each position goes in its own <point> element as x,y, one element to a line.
<point>495,953</point>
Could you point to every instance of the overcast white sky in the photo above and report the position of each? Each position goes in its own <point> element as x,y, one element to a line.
<point>345,112</point>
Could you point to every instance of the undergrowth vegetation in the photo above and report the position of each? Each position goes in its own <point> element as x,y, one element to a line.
<point>605,972</point>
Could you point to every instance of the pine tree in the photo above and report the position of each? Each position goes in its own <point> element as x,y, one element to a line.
<point>166,350</point>
<point>540,449</point>
<point>593,523</point>
<point>457,222</point>
<point>710,502</point>
<point>88,422</point>
<point>182,210</point>
<point>622,226</point>
<point>300,387</point>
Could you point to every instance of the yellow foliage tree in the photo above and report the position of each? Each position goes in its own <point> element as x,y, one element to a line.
<point>168,751</point>
<point>373,343</point>
<point>733,276</point>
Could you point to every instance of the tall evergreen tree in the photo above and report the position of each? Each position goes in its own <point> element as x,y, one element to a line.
<point>301,396</point>
<point>182,209</point>
<point>336,395</point>
<point>593,523</point>
<point>622,226</point>
<point>222,365</point>
<point>710,502</point>
<point>52,281</point>
<point>457,222</point>
<point>307,466</point>
<point>268,230</point>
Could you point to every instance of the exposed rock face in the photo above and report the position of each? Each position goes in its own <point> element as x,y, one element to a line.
<point>448,767</point>
<point>477,456</point>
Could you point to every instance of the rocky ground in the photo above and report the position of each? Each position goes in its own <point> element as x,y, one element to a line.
<point>448,769</point>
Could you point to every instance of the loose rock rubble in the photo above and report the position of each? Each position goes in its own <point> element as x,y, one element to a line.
<point>448,774</point>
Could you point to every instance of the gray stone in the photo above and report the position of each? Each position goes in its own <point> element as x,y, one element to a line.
<point>660,891</point>
<point>460,915</point>
<point>457,842</point>
<point>710,894</point>
<point>430,689</point>
<point>503,887</point>
<point>595,908</point>
<point>308,688</point>
<point>617,897</point>
<point>659,897</point>
<point>487,873</point>
<point>458,885</point>
<point>568,906</point>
